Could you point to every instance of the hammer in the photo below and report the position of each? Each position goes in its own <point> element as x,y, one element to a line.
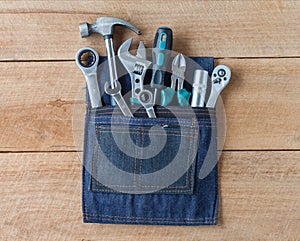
<point>105,27</point>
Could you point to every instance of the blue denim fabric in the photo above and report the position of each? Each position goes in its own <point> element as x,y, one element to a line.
<point>187,201</point>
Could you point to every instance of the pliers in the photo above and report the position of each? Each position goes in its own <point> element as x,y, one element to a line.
<point>177,77</point>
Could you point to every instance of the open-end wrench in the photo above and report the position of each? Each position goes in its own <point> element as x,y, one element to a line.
<point>87,60</point>
<point>219,80</point>
<point>145,97</point>
<point>136,66</point>
<point>116,94</point>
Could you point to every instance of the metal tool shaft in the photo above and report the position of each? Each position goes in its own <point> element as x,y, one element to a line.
<point>111,62</point>
<point>87,60</point>
<point>116,94</point>
<point>199,88</point>
<point>94,90</point>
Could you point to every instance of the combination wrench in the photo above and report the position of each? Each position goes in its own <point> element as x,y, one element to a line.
<point>87,60</point>
<point>147,100</point>
<point>116,94</point>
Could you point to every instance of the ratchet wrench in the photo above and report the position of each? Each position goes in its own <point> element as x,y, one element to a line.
<point>219,80</point>
<point>87,60</point>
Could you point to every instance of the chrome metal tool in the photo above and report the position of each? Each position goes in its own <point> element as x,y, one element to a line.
<point>178,70</point>
<point>116,94</point>
<point>177,80</point>
<point>87,60</point>
<point>136,66</point>
<point>145,97</point>
<point>220,78</point>
<point>105,27</point>
<point>199,88</point>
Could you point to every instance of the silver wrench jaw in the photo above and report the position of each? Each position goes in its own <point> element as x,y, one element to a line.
<point>116,94</point>
<point>145,97</point>
<point>87,60</point>
<point>219,80</point>
<point>136,66</point>
<point>141,51</point>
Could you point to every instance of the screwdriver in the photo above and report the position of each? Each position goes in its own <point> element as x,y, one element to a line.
<point>161,57</point>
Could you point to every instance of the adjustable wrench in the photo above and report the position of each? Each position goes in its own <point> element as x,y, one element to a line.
<point>87,60</point>
<point>136,66</point>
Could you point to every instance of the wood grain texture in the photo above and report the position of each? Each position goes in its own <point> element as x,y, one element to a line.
<point>41,200</point>
<point>48,30</point>
<point>40,85</point>
<point>38,99</point>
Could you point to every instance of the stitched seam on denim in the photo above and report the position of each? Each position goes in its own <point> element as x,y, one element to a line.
<point>104,186</point>
<point>170,187</point>
<point>116,220</point>
<point>172,109</point>
<point>188,173</point>
<point>135,159</point>
<point>173,187</point>
<point>142,120</point>
<point>145,218</point>
<point>153,133</point>
<point>140,123</point>
<point>105,124</point>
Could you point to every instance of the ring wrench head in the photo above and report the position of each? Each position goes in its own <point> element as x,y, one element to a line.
<point>108,90</point>
<point>87,59</point>
<point>145,97</point>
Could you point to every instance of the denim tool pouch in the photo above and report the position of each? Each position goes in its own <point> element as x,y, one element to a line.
<point>147,170</point>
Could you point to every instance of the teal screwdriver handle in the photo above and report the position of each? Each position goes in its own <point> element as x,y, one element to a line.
<point>161,56</point>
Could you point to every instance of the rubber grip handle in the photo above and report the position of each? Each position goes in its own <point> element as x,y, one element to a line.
<point>162,45</point>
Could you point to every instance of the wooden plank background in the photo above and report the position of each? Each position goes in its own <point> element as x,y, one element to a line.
<point>40,85</point>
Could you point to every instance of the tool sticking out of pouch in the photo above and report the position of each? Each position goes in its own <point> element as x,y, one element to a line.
<point>177,80</point>
<point>87,60</point>
<point>116,94</point>
<point>219,80</point>
<point>145,97</point>
<point>160,56</point>
<point>136,66</point>
<point>199,88</point>
<point>105,27</point>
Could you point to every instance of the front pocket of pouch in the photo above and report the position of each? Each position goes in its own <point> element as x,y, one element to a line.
<point>142,155</point>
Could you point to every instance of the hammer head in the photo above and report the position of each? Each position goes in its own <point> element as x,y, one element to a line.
<point>105,27</point>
